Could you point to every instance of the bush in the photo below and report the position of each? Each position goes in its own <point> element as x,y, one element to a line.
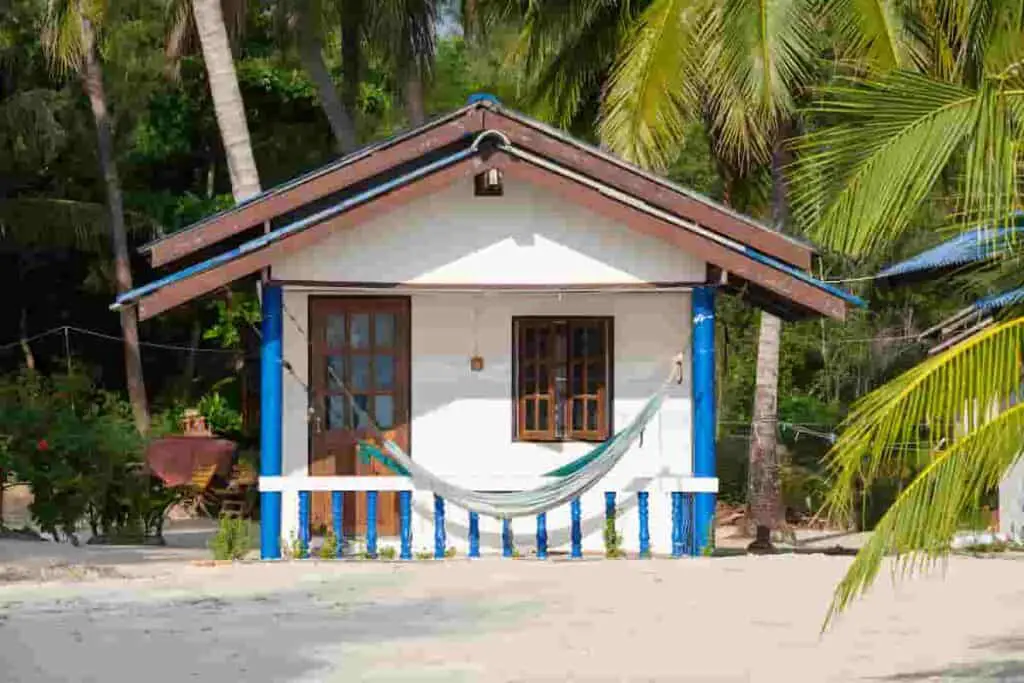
<point>233,540</point>
<point>79,452</point>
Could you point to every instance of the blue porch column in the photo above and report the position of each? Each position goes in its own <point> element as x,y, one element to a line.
<point>270,421</point>
<point>703,356</point>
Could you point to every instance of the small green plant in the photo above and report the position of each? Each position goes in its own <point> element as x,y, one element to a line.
<point>423,555</point>
<point>296,549</point>
<point>329,549</point>
<point>709,549</point>
<point>450,552</point>
<point>233,539</point>
<point>388,552</point>
<point>612,539</point>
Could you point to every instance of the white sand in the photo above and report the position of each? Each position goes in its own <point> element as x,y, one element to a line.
<point>154,616</point>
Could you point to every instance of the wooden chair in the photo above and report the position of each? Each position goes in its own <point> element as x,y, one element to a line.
<point>234,498</point>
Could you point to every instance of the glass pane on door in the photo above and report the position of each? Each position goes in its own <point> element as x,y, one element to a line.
<point>384,329</point>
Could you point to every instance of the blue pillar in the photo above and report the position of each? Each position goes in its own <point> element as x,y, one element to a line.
<point>474,534</point>
<point>645,527</point>
<point>506,537</point>
<point>440,540</point>
<point>542,536</point>
<point>575,532</point>
<point>304,499</point>
<point>371,523</point>
<point>405,519</point>
<point>338,519</point>
<point>703,356</point>
<point>677,524</point>
<point>270,421</point>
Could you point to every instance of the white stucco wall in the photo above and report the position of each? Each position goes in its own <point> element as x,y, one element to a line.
<point>527,236</point>
<point>1011,501</point>
<point>461,420</point>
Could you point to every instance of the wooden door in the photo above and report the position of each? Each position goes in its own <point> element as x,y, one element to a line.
<point>362,342</point>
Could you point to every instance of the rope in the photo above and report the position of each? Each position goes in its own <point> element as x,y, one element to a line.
<point>66,329</point>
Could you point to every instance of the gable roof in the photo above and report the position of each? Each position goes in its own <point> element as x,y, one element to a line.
<point>766,266</point>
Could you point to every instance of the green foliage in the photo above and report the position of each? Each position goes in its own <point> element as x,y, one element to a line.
<point>221,416</point>
<point>329,549</point>
<point>235,315</point>
<point>450,552</point>
<point>78,450</point>
<point>233,540</point>
<point>423,555</point>
<point>612,539</point>
<point>388,552</point>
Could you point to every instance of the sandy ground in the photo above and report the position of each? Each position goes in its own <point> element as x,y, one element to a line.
<point>109,614</point>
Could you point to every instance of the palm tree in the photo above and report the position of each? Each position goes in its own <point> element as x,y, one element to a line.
<point>400,31</point>
<point>227,98</point>
<point>949,127</point>
<point>70,43</point>
<point>740,67</point>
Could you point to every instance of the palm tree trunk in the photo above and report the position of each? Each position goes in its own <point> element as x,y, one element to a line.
<point>350,55</point>
<point>311,53</point>
<point>227,98</point>
<point>415,108</point>
<point>764,485</point>
<point>92,81</point>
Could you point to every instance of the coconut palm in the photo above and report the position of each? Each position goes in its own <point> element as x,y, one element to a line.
<point>70,43</point>
<point>227,98</point>
<point>952,127</point>
<point>401,32</point>
<point>738,66</point>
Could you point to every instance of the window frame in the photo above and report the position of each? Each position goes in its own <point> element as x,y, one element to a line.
<point>564,403</point>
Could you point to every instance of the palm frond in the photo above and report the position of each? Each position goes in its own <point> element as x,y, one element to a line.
<point>765,55</point>
<point>566,50</point>
<point>920,524</point>
<point>62,35</point>
<point>652,93</point>
<point>878,32</point>
<point>857,185</point>
<point>925,409</point>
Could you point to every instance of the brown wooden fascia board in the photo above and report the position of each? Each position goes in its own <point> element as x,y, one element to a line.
<point>182,244</point>
<point>666,198</point>
<point>780,283</point>
<point>193,287</point>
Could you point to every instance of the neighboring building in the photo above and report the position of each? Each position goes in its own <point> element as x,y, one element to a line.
<point>501,298</point>
<point>967,250</point>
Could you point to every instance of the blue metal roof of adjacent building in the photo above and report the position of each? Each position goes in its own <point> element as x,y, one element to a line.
<point>973,246</point>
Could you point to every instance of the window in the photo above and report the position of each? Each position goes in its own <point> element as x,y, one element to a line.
<point>563,370</point>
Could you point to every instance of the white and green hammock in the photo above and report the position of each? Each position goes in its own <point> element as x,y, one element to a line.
<point>571,480</point>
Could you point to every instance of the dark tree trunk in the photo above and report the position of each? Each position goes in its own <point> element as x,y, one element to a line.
<point>92,81</point>
<point>311,53</point>
<point>350,56</point>
<point>414,107</point>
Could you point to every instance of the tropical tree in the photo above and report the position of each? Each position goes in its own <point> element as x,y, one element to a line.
<point>227,98</point>
<point>741,68</point>
<point>400,33</point>
<point>70,42</point>
<point>901,141</point>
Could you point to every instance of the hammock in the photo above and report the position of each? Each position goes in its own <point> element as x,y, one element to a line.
<point>575,478</point>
